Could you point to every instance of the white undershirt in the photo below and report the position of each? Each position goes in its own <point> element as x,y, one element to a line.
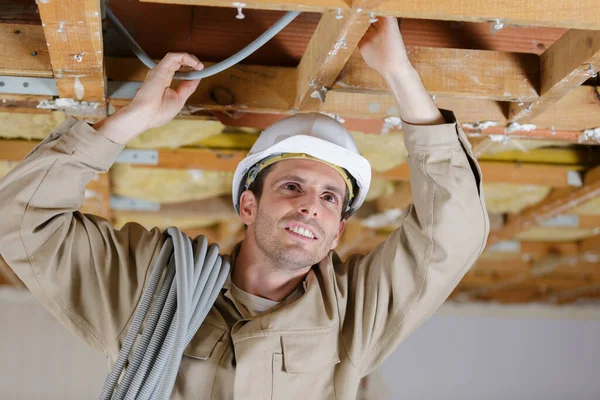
<point>256,304</point>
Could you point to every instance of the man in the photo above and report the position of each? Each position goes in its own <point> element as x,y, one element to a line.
<point>293,321</point>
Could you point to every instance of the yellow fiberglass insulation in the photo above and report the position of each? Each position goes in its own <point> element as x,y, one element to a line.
<point>379,188</point>
<point>168,185</point>
<point>177,133</point>
<point>17,125</point>
<point>523,145</point>
<point>150,221</point>
<point>383,151</point>
<point>512,198</point>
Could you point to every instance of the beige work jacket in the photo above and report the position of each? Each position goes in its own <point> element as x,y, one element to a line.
<point>351,316</point>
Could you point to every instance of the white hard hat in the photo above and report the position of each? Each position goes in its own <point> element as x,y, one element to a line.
<point>313,135</point>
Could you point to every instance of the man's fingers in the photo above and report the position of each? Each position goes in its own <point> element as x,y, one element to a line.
<point>172,62</point>
<point>186,89</point>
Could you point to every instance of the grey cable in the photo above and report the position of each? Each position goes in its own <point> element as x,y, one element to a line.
<point>214,69</point>
<point>192,274</point>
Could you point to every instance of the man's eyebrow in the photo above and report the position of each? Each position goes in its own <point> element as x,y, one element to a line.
<point>298,179</point>
<point>295,178</point>
<point>335,190</point>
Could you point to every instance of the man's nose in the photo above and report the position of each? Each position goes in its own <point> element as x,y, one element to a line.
<point>309,206</point>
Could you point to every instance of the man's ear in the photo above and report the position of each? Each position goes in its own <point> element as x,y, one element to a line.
<point>248,207</point>
<point>338,235</point>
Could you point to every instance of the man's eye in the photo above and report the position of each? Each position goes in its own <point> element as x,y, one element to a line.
<point>330,198</point>
<point>290,186</point>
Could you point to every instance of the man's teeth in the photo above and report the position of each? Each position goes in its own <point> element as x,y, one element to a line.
<point>302,232</point>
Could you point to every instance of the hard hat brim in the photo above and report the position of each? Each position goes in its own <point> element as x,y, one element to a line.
<point>356,165</point>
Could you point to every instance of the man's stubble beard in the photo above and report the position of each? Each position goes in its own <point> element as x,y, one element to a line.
<point>268,241</point>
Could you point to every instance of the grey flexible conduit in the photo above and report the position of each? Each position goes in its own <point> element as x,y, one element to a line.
<point>214,69</point>
<point>192,275</point>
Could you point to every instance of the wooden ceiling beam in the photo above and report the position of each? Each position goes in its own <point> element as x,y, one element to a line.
<point>227,160</point>
<point>330,47</point>
<point>558,203</point>
<point>569,62</point>
<point>483,74</point>
<point>73,31</point>
<point>565,13</point>
<point>23,51</point>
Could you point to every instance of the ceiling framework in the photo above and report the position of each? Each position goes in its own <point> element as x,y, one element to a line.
<point>521,77</point>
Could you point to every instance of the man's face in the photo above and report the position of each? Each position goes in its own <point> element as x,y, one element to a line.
<point>296,222</point>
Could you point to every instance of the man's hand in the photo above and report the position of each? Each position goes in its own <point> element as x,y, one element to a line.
<point>383,50</point>
<point>382,46</point>
<point>155,103</point>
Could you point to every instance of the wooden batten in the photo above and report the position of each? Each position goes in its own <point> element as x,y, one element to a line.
<point>568,63</point>
<point>492,75</point>
<point>567,14</point>
<point>334,40</point>
<point>73,31</point>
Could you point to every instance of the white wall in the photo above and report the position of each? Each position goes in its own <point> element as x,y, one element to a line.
<point>449,357</point>
<point>474,357</point>
<point>39,358</point>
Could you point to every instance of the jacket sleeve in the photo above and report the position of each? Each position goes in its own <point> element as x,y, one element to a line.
<point>397,286</point>
<point>88,275</point>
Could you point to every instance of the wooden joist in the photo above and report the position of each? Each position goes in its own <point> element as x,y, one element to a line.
<point>334,40</point>
<point>226,160</point>
<point>73,31</point>
<point>557,203</point>
<point>568,63</point>
<point>480,74</point>
<point>23,51</point>
<point>564,13</point>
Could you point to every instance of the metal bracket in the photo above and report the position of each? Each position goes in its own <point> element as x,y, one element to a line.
<point>507,246</point>
<point>122,90</point>
<point>26,85</point>
<point>570,221</point>
<point>138,157</point>
<point>121,203</point>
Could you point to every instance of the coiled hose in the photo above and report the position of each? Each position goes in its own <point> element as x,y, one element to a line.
<point>192,275</point>
<point>214,69</point>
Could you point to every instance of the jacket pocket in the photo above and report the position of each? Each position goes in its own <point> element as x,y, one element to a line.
<point>304,370</point>
<point>199,364</point>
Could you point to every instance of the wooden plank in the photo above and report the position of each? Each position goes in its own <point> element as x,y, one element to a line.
<point>590,246</point>
<point>518,173</point>
<point>245,87</point>
<point>227,160</point>
<point>23,51</point>
<point>290,5</point>
<point>272,89</point>
<point>20,12</point>
<point>334,40</point>
<point>455,72</point>
<point>73,31</point>
<point>556,204</point>
<point>568,63</point>
<point>578,110</point>
<point>23,103</point>
<point>562,13</point>
<point>369,105</point>
<point>216,34</point>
